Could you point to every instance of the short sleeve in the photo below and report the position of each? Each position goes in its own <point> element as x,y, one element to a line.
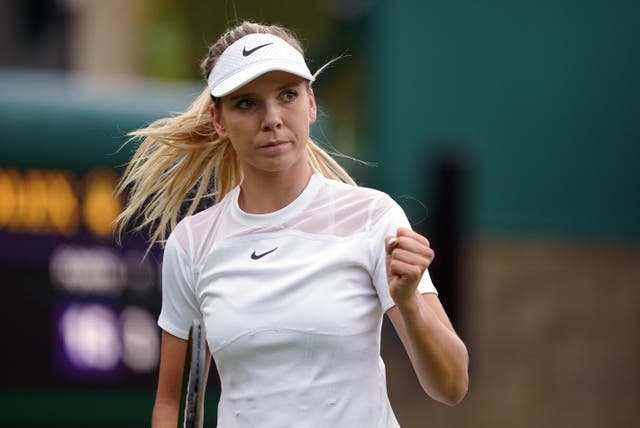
<point>179,301</point>
<point>393,219</point>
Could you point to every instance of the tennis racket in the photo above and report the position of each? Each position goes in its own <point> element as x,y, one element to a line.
<point>191,414</point>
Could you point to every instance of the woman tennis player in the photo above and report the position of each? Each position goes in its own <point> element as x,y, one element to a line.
<point>292,266</point>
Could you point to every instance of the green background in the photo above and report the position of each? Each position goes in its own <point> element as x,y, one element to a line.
<point>539,102</point>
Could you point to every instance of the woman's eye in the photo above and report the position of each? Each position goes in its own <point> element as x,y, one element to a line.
<point>244,104</point>
<point>289,96</point>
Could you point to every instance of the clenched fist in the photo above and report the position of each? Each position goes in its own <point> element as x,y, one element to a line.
<point>408,256</point>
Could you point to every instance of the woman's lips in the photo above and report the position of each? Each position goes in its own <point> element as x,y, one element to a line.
<point>273,144</point>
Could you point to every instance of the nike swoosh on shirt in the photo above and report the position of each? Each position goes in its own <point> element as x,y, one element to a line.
<point>246,52</point>
<point>255,256</point>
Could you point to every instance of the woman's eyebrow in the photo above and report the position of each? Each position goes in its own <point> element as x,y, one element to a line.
<point>288,85</point>
<point>239,96</point>
<point>285,85</point>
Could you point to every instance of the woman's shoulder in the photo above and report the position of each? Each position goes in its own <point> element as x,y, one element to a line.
<point>358,193</point>
<point>199,218</point>
<point>348,200</point>
<point>192,229</point>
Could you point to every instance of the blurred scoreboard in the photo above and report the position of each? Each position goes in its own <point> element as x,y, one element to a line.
<point>81,309</point>
<point>78,309</point>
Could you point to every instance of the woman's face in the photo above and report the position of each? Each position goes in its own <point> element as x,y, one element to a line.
<point>267,122</point>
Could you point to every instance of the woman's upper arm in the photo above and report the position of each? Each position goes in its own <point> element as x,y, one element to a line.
<point>172,355</point>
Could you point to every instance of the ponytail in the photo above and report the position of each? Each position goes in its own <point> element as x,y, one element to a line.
<point>179,159</point>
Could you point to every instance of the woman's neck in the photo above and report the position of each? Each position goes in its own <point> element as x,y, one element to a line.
<point>265,192</point>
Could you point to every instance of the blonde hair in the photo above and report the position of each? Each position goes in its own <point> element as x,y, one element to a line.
<point>182,159</point>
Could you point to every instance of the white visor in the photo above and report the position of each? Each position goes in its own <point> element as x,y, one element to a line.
<point>252,56</point>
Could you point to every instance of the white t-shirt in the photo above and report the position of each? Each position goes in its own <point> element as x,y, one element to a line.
<point>293,303</point>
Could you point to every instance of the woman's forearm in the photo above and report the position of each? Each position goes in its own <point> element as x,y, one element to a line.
<point>165,415</point>
<point>439,357</point>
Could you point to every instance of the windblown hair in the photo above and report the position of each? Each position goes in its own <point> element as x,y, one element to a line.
<point>182,159</point>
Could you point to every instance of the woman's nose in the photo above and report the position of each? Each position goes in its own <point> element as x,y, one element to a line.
<point>272,118</point>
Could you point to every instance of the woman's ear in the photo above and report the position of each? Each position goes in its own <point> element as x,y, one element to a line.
<point>313,109</point>
<point>217,122</point>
